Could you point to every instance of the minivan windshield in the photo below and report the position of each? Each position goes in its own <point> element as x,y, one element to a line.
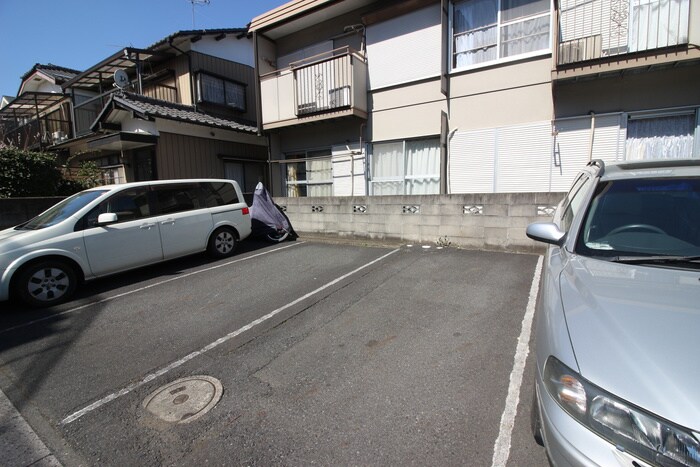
<point>62,210</point>
<point>654,220</point>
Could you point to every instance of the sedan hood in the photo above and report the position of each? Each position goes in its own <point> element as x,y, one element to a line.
<point>634,331</point>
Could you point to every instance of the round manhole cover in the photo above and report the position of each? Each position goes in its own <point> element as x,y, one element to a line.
<point>184,400</point>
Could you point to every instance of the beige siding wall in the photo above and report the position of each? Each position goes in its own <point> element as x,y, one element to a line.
<point>179,156</point>
<point>182,79</point>
<point>408,111</point>
<point>512,94</point>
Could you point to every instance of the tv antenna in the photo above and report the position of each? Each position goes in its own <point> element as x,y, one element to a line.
<point>197,2</point>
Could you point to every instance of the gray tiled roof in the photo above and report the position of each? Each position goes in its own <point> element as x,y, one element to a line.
<point>157,108</point>
<point>59,73</point>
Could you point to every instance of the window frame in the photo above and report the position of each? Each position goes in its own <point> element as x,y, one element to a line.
<point>500,24</point>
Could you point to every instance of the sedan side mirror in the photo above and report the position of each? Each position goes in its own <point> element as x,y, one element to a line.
<point>106,218</point>
<point>546,232</point>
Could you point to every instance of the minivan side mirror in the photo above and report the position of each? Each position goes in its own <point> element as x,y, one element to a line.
<point>546,232</point>
<point>106,218</point>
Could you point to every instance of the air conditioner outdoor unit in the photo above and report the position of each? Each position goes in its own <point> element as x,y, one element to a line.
<point>580,50</point>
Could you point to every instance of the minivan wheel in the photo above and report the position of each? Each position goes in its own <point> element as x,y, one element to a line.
<point>46,283</point>
<point>222,243</point>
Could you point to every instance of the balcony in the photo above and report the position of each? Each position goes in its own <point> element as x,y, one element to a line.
<point>323,87</point>
<point>33,134</point>
<point>614,34</point>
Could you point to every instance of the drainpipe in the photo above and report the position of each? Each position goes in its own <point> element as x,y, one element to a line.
<point>352,162</point>
<point>189,67</point>
<point>590,141</point>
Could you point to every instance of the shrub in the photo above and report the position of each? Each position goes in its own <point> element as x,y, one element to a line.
<point>26,173</point>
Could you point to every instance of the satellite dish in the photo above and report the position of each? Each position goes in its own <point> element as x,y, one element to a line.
<point>121,79</point>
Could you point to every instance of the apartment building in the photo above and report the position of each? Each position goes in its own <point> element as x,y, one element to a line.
<point>470,96</point>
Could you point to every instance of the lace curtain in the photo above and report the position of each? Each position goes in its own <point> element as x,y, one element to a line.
<point>660,138</point>
<point>401,168</point>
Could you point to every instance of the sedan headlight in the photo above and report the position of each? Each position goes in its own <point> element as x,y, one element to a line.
<point>629,428</point>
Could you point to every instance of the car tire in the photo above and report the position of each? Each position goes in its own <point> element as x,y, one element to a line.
<point>222,243</point>
<point>46,283</point>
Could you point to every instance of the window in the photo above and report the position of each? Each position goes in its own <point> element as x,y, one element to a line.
<point>219,194</point>
<point>489,30</point>
<point>661,137</point>
<point>178,198</point>
<point>128,205</point>
<point>309,174</point>
<point>220,91</point>
<point>406,167</point>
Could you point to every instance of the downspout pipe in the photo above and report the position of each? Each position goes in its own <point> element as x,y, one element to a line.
<point>592,136</point>
<point>189,67</point>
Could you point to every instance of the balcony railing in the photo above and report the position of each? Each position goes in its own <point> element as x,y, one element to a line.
<point>46,131</point>
<point>324,86</point>
<point>605,28</point>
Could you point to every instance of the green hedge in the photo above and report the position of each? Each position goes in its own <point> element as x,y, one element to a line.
<point>26,173</point>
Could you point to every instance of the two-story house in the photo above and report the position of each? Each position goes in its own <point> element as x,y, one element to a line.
<point>182,107</point>
<point>39,116</point>
<point>466,96</point>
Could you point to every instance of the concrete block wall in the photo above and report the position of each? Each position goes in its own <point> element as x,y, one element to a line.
<point>493,221</point>
<point>14,211</point>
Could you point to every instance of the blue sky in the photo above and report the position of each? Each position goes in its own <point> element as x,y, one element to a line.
<point>80,33</point>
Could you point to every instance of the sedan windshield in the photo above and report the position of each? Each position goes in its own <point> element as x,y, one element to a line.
<point>62,210</point>
<point>644,221</point>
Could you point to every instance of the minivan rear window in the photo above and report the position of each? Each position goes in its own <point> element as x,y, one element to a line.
<point>219,193</point>
<point>178,198</point>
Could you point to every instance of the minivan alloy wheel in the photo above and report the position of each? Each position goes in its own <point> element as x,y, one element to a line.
<point>222,243</point>
<point>46,283</point>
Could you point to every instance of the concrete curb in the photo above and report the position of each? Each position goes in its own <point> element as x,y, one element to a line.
<point>22,445</point>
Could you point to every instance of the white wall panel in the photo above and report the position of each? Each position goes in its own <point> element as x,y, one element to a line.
<point>524,156</point>
<point>405,49</point>
<point>572,146</point>
<point>472,158</point>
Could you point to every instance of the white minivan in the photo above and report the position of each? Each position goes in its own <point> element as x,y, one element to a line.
<point>110,229</point>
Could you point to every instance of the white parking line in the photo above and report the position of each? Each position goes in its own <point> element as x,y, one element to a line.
<point>95,405</point>
<point>501,449</point>
<point>124,294</point>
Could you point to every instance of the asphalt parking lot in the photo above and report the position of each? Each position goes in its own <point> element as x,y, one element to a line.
<point>304,353</point>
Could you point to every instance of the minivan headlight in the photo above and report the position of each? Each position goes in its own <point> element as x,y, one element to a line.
<point>629,428</point>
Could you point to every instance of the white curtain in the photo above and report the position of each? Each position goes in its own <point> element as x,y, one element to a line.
<point>387,169</point>
<point>660,138</point>
<point>525,36</point>
<point>423,167</point>
<point>411,168</point>
<point>475,29</point>
<point>319,177</point>
<point>658,23</point>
